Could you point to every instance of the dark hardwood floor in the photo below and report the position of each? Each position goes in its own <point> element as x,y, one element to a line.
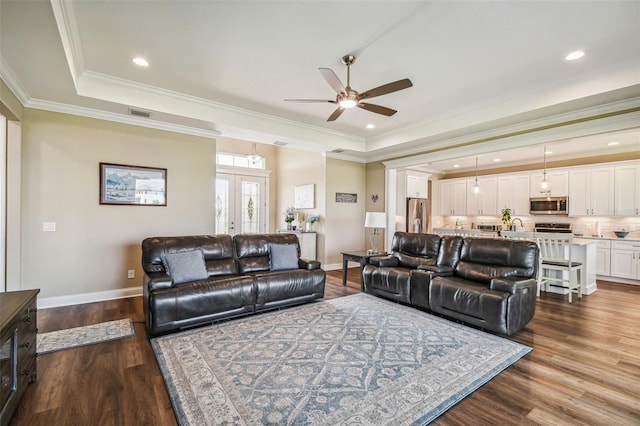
<point>584,368</point>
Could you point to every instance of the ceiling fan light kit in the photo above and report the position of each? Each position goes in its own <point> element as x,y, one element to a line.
<point>347,98</point>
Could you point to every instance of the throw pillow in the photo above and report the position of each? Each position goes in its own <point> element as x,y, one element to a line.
<point>186,266</point>
<point>283,257</point>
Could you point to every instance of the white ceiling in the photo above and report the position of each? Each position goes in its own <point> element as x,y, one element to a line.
<point>224,67</point>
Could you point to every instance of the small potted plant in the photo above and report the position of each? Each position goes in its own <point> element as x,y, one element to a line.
<point>290,216</point>
<point>311,219</point>
<point>506,217</point>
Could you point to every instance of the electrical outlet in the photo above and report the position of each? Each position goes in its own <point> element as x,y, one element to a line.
<point>131,273</point>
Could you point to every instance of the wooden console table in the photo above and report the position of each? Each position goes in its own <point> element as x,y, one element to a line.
<point>18,332</point>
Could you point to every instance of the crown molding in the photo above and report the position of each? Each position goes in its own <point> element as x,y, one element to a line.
<point>346,157</point>
<point>70,36</point>
<point>9,77</point>
<point>119,118</point>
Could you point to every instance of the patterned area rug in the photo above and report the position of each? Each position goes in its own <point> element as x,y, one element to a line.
<point>352,360</point>
<point>82,336</point>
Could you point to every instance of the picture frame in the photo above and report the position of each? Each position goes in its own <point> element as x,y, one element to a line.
<point>346,197</point>
<point>127,185</point>
<point>304,196</point>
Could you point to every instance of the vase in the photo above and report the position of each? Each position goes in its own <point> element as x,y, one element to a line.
<point>309,226</point>
<point>289,226</point>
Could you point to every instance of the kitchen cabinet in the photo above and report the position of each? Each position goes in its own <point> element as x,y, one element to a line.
<point>484,203</point>
<point>453,197</point>
<point>417,185</point>
<point>625,259</point>
<point>591,191</point>
<point>559,180</point>
<point>603,257</point>
<point>626,194</point>
<point>512,192</point>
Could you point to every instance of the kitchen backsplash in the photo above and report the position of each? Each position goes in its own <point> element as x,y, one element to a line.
<point>585,225</point>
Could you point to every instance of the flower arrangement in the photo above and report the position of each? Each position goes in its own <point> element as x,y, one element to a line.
<point>313,218</point>
<point>290,214</point>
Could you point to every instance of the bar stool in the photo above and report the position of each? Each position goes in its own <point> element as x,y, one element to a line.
<point>555,255</point>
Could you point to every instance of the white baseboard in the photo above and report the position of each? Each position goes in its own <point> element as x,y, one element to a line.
<point>97,296</point>
<point>332,266</point>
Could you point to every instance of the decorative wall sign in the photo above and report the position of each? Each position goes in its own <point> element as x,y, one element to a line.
<point>345,197</point>
<point>132,185</point>
<point>374,198</point>
<point>304,196</point>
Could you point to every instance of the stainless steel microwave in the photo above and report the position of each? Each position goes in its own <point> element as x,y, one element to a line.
<point>549,205</point>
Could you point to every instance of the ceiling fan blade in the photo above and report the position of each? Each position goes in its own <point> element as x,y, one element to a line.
<point>337,113</point>
<point>377,109</point>
<point>387,88</point>
<point>312,100</point>
<point>332,79</point>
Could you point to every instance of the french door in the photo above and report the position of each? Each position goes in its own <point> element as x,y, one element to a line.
<point>241,204</point>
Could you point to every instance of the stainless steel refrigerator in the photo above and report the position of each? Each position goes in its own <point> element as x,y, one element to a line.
<point>418,215</point>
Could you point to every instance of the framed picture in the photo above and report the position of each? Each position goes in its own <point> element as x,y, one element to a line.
<point>132,185</point>
<point>304,196</point>
<point>346,197</point>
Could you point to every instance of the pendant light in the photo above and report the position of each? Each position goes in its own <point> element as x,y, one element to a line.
<point>254,157</point>
<point>545,185</point>
<point>476,188</point>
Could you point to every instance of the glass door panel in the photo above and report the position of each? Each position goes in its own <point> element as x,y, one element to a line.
<point>240,204</point>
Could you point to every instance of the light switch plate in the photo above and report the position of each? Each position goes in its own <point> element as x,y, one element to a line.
<point>48,226</point>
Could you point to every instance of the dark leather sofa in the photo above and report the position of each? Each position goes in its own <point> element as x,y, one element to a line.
<point>486,282</point>
<point>239,280</point>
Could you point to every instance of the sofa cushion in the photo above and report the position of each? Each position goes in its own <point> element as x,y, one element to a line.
<point>186,266</point>
<point>283,257</point>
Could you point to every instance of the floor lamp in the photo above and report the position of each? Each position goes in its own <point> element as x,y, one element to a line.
<point>375,220</point>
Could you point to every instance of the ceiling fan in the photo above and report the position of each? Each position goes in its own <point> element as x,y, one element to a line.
<point>348,98</point>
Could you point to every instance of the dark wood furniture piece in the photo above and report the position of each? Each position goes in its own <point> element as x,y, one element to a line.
<point>18,332</point>
<point>360,256</point>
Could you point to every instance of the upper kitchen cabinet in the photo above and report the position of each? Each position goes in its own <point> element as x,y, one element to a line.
<point>512,192</point>
<point>453,197</point>
<point>591,191</point>
<point>417,184</point>
<point>559,180</point>
<point>485,202</point>
<point>627,190</point>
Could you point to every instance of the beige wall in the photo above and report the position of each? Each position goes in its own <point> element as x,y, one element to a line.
<point>344,226</point>
<point>94,245</point>
<point>10,106</point>
<point>375,185</point>
<point>296,167</point>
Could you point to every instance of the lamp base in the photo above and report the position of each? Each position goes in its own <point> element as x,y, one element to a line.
<point>375,241</point>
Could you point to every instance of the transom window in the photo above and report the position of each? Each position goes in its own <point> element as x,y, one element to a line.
<point>238,160</point>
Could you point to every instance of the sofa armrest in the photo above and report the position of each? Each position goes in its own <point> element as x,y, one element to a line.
<point>513,285</point>
<point>157,280</point>
<point>383,261</point>
<point>308,264</point>
<point>443,271</point>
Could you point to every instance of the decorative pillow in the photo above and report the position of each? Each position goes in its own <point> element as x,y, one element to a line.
<point>283,257</point>
<point>186,266</point>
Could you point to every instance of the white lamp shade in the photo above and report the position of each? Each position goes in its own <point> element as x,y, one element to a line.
<point>375,220</point>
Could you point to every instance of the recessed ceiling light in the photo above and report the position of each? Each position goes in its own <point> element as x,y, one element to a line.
<point>576,54</point>
<point>497,160</point>
<point>455,166</point>
<point>371,126</point>
<point>548,152</point>
<point>614,143</point>
<point>140,62</point>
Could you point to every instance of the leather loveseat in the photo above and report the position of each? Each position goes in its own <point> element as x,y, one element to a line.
<point>486,282</point>
<point>235,276</point>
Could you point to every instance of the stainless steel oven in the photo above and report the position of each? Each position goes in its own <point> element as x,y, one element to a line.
<point>549,206</point>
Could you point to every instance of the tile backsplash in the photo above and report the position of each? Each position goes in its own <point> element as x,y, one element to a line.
<point>580,225</point>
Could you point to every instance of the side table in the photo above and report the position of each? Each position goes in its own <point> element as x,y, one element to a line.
<point>360,256</point>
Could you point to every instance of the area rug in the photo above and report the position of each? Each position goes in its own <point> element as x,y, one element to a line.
<point>352,360</point>
<point>82,336</point>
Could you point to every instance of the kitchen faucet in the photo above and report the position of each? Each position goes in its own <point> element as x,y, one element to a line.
<point>513,223</point>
